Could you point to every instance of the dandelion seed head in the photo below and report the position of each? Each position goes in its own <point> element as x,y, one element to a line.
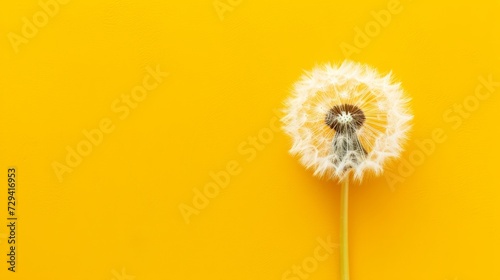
<point>346,119</point>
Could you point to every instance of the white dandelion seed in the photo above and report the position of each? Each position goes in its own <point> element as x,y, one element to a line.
<point>346,119</point>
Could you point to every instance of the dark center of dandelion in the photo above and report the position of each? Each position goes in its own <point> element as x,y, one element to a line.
<point>345,119</point>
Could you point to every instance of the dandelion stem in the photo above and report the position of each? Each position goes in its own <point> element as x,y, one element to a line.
<point>344,248</point>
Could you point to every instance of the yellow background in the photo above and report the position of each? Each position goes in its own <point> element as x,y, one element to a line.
<point>118,212</point>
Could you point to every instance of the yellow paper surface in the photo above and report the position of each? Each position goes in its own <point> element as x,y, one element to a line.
<point>146,140</point>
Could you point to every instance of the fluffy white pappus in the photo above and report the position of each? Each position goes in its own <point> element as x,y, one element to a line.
<point>346,119</point>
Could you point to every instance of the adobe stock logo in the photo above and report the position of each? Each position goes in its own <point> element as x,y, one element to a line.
<point>121,107</point>
<point>40,19</point>
<point>363,37</point>
<point>309,265</point>
<point>455,116</point>
<point>221,179</point>
<point>122,275</point>
<point>223,6</point>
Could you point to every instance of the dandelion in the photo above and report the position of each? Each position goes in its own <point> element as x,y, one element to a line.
<point>346,121</point>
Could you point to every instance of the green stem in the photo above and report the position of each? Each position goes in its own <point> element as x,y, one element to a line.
<point>344,248</point>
